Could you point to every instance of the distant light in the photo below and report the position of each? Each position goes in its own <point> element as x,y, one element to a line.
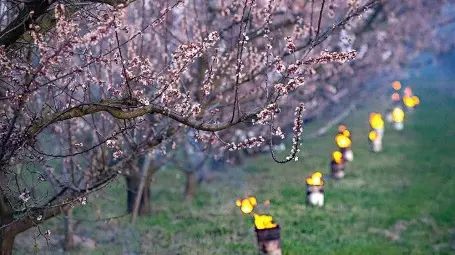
<point>396,85</point>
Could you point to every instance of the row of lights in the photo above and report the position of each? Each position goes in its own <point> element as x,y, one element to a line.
<point>268,232</point>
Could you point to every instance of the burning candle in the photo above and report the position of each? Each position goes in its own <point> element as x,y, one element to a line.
<point>268,235</point>
<point>375,141</point>
<point>315,189</point>
<point>377,123</point>
<point>344,143</point>
<point>398,118</point>
<point>337,165</point>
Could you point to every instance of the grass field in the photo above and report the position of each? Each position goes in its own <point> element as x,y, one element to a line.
<point>399,201</point>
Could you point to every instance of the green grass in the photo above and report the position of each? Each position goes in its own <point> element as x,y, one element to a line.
<point>398,201</point>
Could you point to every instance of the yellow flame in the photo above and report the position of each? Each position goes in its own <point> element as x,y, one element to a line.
<point>376,121</point>
<point>246,205</point>
<point>408,101</point>
<point>347,133</point>
<point>342,141</point>
<point>315,179</point>
<point>396,97</point>
<point>396,85</point>
<point>263,221</point>
<point>372,135</point>
<point>398,115</point>
<point>416,100</point>
<point>337,157</point>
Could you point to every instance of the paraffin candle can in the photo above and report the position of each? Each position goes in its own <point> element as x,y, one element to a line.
<point>269,241</point>
<point>315,195</point>
<point>337,170</point>
<point>398,126</point>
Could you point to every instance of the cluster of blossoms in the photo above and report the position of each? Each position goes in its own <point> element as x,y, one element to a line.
<point>292,84</point>
<point>266,115</point>
<point>327,57</point>
<point>247,143</point>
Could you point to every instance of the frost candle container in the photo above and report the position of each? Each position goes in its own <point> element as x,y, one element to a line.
<point>398,118</point>
<point>344,143</point>
<point>268,235</point>
<point>315,189</point>
<point>337,165</point>
<point>375,141</point>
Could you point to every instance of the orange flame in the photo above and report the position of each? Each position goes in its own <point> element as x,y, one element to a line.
<point>341,128</point>
<point>342,141</point>
<point>396,85</point>
<point>376,121</point>
<point>372,135</point>
<point>337,157</point>
<point>396,97</point>
<point>263,221</point>
<point>416,100</point>
<point>408,101</point>
<point>398,115</point>
<point>315,179</point>
<point>246,205</point>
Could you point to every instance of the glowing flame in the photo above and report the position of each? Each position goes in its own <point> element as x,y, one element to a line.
<point>416,100</point>
<point>396,97</point>
<point>376,121</point>
<point>315,179</point>
<point>337,157</point>
<point>263,221</point>
<point>342,141</point>
<point>409,101</point>
<point>396,85</point>
<point>372,135</point>
<point>343,130</point>
<point>246,205</point>
<point>398,115</point>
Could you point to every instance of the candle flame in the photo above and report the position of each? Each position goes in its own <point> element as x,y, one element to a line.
<point>376,121</point>
<point>396,85</point>
<point>342,141</point>
<point>416,100</point>
<point>315,179</point>
<point>372,135</point>
<point>398,115</point>
<point>409,101</point>
<point>263,221</point>
<point>246,205</point>
<point>337,157</point>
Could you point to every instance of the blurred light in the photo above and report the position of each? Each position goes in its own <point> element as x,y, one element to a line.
<point>396,85</point>
<point>246,205</point>
<point>409,101</point>
<point>396,97</point>
<point>342,141</point>
<point>376,121</point>
<point>398,115</point>
<point>372,135</point>
<point>408,91</point>
<point>416,100</point>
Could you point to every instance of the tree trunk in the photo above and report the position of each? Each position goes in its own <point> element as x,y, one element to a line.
<point>190,187</point>
<point>132,186</point>
<point>69,231</point>
<point>6,233</point>
<point>6,241</point>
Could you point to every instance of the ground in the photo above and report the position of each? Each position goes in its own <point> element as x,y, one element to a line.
<point>399,201</point>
